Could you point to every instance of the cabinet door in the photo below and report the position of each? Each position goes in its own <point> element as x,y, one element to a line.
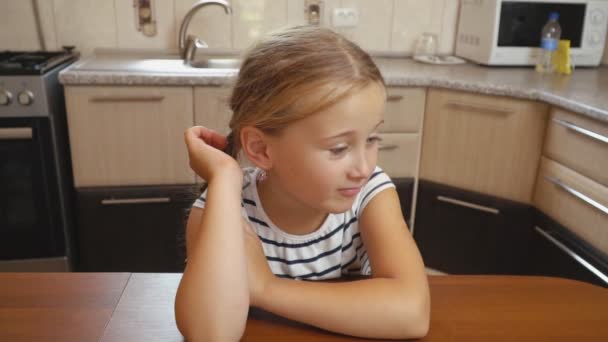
<point>557,252</point>
<point>212,109</point>
<point>129,135</point>
<point>405,190</point>
<point>133,229</point>
<point>463,232</point>
<point>486,144</point>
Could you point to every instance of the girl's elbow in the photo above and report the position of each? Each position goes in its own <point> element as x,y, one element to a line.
<point>419,327</point>
<point>209,332</point>
<point>417,315</point>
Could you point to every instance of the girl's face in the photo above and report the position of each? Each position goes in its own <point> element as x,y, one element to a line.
<point>322,161</point>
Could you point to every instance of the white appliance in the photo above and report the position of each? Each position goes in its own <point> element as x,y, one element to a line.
<point>500,32</point>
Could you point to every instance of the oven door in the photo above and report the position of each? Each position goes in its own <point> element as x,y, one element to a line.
<point>30,220</point>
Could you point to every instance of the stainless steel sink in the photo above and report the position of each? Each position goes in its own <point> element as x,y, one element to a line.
<point>217,63</point>
<point>169,64</point>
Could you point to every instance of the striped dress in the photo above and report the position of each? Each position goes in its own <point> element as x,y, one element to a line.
<point>336,248</point>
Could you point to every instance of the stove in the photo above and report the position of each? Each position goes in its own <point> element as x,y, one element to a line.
<point>32,63</point>
<point>36,221</point>
<point>28,81</point>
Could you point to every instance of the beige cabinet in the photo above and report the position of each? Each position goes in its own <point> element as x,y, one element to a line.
<point>212,108</point>
<point>572,185</point>
<point>579,143</point>
<point>129,135</point>
<point>574,200</point>
<point>398,153</point>
<point>482,143</point>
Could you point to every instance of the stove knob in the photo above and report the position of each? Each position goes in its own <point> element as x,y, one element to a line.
<point>25,97</point>
<point>5,97</point>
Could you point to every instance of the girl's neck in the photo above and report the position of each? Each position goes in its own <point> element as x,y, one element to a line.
<point>286,212</point>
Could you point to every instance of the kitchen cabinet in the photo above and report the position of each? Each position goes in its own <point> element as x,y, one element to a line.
<point>572,183</point>
<point>127,135</point>
<point>212,108</point>
<point>579,143</point>
<point>133,229</point>
<point>464,232</point>
<point>482,143</point>
<point>555,251</point>
<point>575,201</point>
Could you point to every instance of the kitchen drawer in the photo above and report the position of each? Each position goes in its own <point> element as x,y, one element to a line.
<point>404,110</point>
<point>398,154</point>
<point>579,143</point>
<point>566,196</point>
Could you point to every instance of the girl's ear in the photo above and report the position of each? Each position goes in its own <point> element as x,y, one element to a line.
<point>255,145</point>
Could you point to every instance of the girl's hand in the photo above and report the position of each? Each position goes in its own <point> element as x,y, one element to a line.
<point>259,275</point>
<point>206,156</point>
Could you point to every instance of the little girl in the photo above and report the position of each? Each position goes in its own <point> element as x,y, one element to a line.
<point>307,107</point>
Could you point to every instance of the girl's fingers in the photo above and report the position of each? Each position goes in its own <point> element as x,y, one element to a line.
<point>208,136</point>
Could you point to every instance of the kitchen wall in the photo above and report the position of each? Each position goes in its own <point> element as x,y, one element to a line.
<point>385,26</point>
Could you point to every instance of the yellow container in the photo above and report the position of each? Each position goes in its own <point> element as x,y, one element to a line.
<point>561,58</point>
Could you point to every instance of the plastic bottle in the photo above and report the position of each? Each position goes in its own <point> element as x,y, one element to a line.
<point>549,37</point>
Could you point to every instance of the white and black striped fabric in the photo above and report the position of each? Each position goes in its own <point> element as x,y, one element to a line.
<point>336,248</point>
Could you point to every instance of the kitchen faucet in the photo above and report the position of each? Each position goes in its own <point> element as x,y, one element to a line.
<point>189,45</point>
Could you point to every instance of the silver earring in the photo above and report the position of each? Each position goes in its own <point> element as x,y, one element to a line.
<point>262,175</point>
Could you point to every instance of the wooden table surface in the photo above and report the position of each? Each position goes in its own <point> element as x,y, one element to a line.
<point>139,307</point>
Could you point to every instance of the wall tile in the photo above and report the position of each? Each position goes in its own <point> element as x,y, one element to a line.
<point>130,37</point>
<point>47,22</point>
<point>253,18</point>
<point>375,23</point>
<point>605,59</point>
<point>295,13</point>
<point>87,24</point>
<point>412,18</point>
<point>447,37</point>
<point>211,23</point>
<point>18,26</point>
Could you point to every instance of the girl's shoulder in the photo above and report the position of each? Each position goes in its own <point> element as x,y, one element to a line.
<point>376,183</point>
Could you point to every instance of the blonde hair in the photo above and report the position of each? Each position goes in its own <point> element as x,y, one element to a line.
<point>295,72</point>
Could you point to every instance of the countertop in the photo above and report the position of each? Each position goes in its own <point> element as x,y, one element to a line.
<point>139,307</point>
<point>584,92</point>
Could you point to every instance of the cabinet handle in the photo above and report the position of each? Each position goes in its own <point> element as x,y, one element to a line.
<point>135,98</point>
<point>572,254</point>
<point>16,133</point>
<point>578,194</point>
<point>112,201</point>
<point>468,205</point>
<point>583,131</point>
<point>477,108</point>
<point>387,147</point>
<point>394,98</point>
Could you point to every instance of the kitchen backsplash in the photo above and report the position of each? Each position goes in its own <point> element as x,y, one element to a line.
<point>384,26</point>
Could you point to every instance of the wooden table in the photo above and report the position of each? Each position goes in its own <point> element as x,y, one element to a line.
<point>139,307</point>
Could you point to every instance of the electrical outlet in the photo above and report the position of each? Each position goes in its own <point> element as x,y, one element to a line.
<point>345,17</point>
<point>313,11</point>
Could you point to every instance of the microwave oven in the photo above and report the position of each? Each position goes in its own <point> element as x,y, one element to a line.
<point>500,32</point>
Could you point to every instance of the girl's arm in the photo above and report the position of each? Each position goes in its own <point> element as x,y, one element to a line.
<point>394,303</point>
<point>212,300</point>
